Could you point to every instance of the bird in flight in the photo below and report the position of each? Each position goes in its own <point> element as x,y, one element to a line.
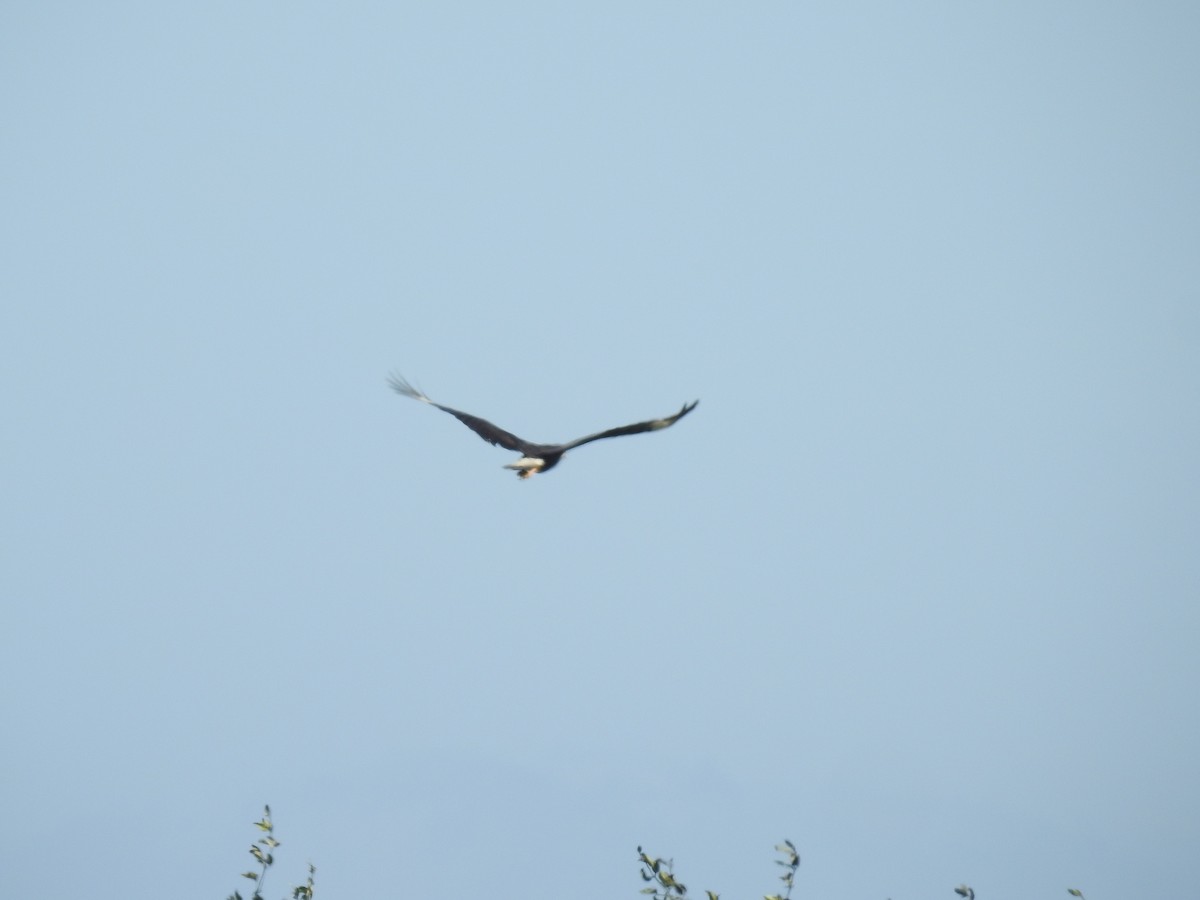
<point>534,457</point>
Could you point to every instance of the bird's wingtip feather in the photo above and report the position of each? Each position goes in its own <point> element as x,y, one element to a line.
<point>400,385</point>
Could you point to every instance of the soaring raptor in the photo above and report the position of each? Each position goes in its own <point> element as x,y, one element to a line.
<point>534,457</point>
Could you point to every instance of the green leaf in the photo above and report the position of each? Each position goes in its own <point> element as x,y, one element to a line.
<point>1074,893</point>
<point>712,896</point>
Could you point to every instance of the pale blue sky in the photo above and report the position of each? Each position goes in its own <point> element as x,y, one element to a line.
<point>916,586</point>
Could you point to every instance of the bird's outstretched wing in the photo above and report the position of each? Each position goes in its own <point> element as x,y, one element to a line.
<point>637,428</point>
<point>482,427</point>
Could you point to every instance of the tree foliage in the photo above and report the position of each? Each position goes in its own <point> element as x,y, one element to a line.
<point>658,874</point>
<point>263,851</point>
<point>663,885</point>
